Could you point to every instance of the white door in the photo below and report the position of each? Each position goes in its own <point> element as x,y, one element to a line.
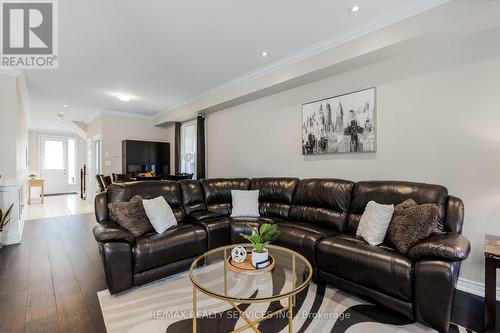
<point>95,167</point>
<point>54,164</point>
<point>90,178</point>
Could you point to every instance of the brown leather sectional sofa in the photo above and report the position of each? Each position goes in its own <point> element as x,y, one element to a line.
<point>317,218</point>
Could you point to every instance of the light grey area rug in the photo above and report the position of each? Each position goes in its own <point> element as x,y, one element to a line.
<point>166,306</point>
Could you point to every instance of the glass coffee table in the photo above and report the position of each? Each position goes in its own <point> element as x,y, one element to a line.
<point>211,275</point>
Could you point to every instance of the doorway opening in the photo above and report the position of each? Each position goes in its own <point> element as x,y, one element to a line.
<point>188,148</point>
<point>58,163</point>
<point>94,161</point>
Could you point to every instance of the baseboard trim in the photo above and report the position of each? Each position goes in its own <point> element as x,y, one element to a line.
<point>473,287</point>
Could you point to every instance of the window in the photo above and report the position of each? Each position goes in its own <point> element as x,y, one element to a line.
<point>188,147</point>
<point>54,155</point>
<point>71,162</point>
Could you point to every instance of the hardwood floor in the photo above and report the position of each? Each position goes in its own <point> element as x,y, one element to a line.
<point>49,283</point>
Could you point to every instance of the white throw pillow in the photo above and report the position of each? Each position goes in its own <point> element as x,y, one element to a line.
<point>160,214</point>
<point>374,222</point>
<point>245,203</point>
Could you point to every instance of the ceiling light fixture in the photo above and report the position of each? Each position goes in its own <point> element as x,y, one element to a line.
<point>354,9</point>
<point>123,96</point>
<point>60,115</point>
<point>264,53</point>
<point>65,106</point>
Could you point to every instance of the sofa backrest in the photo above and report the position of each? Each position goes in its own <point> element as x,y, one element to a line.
<point>217,192</point>
<point>394,192</point>
<point>170,190</point>
<point>324,202</point>
<point>193,198</point>
<point>275,195</point>
<point>321,201</point>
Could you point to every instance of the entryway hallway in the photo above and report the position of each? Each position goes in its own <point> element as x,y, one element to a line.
<point>58,205</point>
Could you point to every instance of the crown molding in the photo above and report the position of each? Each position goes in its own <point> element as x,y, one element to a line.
<point>308,52</point>
<point>100,113</point>
<point>23,92</point>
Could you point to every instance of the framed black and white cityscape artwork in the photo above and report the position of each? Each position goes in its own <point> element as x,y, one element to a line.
<point>340,124</point>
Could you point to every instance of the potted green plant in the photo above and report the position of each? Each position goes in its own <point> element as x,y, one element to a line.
<point>260,238</point>
<point>4,220</point>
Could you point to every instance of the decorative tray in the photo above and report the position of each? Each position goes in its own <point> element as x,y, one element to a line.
<point>246,266</point>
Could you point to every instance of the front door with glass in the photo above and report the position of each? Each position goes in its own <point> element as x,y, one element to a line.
<point>58,164</point>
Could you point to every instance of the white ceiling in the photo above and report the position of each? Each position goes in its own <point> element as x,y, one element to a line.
<point>168,52</point>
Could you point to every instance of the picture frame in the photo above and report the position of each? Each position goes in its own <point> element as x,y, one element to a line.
<point>344,123</point>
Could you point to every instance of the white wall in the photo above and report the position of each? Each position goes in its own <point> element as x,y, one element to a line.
<point>438,118</point>
<point>170,137</point>
<point>94,128</point>
<point>14,132</point>
<point>115,129</point>
<point>9,106</point>
<point>13,159</point>
<point>21,139</point>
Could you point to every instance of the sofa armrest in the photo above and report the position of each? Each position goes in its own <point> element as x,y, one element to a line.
<point>202,215</point>
<point>117,262</point>
<point>111,232</point>
<point>448,246</point>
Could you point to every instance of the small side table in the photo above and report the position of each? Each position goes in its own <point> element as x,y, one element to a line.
<point>492,262</point>
<point>36,182</point>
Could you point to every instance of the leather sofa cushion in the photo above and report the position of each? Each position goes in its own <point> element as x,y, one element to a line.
<point>302,237</point>
<point>218,193</point>
<point>275,195</point>
<point>192,196</point>
<point>217,231</point>
<point>377,267</point>
<point>183,241</point>
<point>394,192</point>
<point>244,225</point>
<point>202,215</point>
<point>324,202</point>
<point>170,190</point>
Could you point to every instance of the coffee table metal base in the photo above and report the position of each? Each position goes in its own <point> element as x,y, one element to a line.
<point>249,322</point>
<point>233,301</point>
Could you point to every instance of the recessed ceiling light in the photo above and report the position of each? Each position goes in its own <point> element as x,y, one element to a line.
<point>264,53</point>
<point>65,106</point>
<point>354,9</point>
<point>124,97</point>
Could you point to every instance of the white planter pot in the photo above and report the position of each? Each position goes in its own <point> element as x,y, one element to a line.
<point>259,257</point>
<point>1,239</point>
